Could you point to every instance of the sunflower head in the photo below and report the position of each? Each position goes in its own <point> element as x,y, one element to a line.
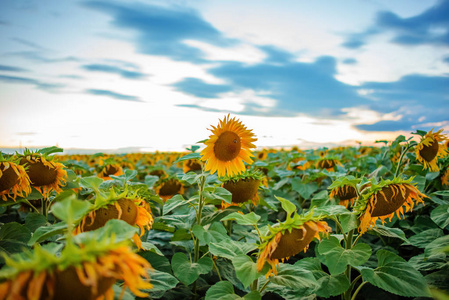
<point>45,173</point>
<point>384,199</point>
<point>429,150</point>
<point>328,163</point>
<point>191,165</point>
<point>167,188</point>
<point>14,180</point>
<point>445,177</point>
<point>344,189</point>
<point>228,147</point>
<point>243,187</point>
<point>109,167</point>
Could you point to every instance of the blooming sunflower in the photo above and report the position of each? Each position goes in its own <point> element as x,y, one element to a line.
<point>384,199</point>
<point>429,150</point>
<point>45,173</point>
<point>80,272</point>
<point>344,189</point>
<point>169,187</point>
<point>13,179</point>
<point>243,187</point>
<point>228,147</point>
<point>124,206</point>
<point>288,239</point>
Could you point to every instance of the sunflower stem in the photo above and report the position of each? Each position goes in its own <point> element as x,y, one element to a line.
<point>358,290</point>
<point>216,269</point>
<point>254,285</point>
<point>32,206</point>
<point>400,159</point>
<point>196,256</point>
<point>348,245</point>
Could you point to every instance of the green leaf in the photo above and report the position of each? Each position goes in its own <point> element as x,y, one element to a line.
<point>248,219</point>
<point>50,150</point>
<point>440,245</point>
<point>396,276</point>
<point>194,155</point>
<point>71,209</point>
<point>150,180</point>
<point>13,237</point>
<point>161,282</point>
<point>45,232</point>
<point>121,231</point>
<point>230,248</point>
<point>390,232</point>
<point>304,189</point>
<point>425,237</point>
<point>423,264</point>
<point>173,203</point>
<point>147,246</point>
<point>224,290</point>
<point>188,272</point>
<point>295,277</point>
<point>441,193</point>
<point>336,258</point>
<point>330,210</point>
<point>91,182</point>
<point>287,205</point>
<point>158,262</point>
<point>348,222</point>
<point>440,215</point>
<point>246,269</point>
<point>214,234</point>
<point>320,199</point>
<point>34,220</point>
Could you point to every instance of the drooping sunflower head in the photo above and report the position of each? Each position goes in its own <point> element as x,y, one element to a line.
<point>167,188</point>
<point>344,189</point>
<point>79,272</point>
<point>45,173</point>
<point>288,239</point>
<point>445,177</point>
<point>228,147</point>
<point>243,187</point>
<point>386,198</point>
<point>429,150</point>
<point>191,165</point>
<point>109,167</point>
<point>328,163</point>
<point>14,180</point>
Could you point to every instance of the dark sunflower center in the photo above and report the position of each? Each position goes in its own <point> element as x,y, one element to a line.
<point>346,192</point>
<point>242,190</point>
<point>110,170</point>
<point>293,242</point>
<point>429,152</point>
<point>227,147</point>
<point>169,188</point>
<point>389,199</point>
<point>326,164</point>
<point>39,173</point>
<point>8,179</point>
<point>129,211</point>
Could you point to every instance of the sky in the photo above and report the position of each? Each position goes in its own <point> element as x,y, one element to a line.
<point>155,75</point>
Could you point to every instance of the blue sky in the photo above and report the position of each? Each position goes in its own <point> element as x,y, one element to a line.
<point>156,74</point>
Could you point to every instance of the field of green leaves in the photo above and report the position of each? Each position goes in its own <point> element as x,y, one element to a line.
<point>343,223</point>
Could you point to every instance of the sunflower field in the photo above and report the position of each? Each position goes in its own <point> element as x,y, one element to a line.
<point>228,222</point>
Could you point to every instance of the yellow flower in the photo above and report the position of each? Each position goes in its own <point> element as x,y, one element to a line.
<point>13,179</point>
<point>228,147</point>
<point>445,177</point>
<point>110,169</point>
<point>289,242</point>
<point>169,187</point>
<point>429,150</point>
<point>385,199</point>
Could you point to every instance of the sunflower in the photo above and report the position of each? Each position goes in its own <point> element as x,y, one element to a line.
<point>45,173</point>
<point>262,155</point>
<point>124,206</point>
<point>80,272</point>
<point>110,168</point>
<point>288,239</point>
<point>228,147</point>
<point>13,179</point>
<point>445,177</point>
<point>344,189</point>
<point>384,199</point>
<point>243,187</point>
<point>191,165</point>
<point>429,150</point>
<point>169,187</point>
<point>328,163</point>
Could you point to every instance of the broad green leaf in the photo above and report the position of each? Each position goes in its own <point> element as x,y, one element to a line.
<point>390,232</point>
<point>246,269</point>
<point>423,264</point>
<point>214,234</point>
<point>336,258</point>
<point>425,237</point>
<point>45,232</point>
<point>150,180</point>
<point>295,277</point>
<point>194,155</point>
<point>188,272</point>
<point>442,193</point>
<point>71,209</point>
<point>121,231</point>
<point>287,205</point>
<point>147,246</point>
<point>247,219</point>
<point>440,245</point>
<point>173,203</point>
<point>13,237</point>
<point>216,195</point>
<point>396,276</point>
<point>34,220</point>
<point>320,199</point>
<point>224,290</point>
<point>91,182</point>
<point>230,248</point>
<point>348,222</point>
<point>161,282</point>
<point>330,210</point>
<point>158,262</point>
<point>304,189</point>
<point>50,150</point>
<point>440,215</point>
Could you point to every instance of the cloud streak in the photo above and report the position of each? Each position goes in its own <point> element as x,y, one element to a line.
<point>114,70</point>
<point>112,94</point>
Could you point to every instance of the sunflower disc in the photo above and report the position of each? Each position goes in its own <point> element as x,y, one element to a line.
<point>389,199</point>
<point>8,179</point>
<point>291,243</point>
<point>39,173</point>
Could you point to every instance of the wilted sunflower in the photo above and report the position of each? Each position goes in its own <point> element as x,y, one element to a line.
<point>384,199</point>
<point>228,147</point>
<point>429,150</point>
<point>328,163</point>
<point>243,187</point>
<point>169,187</point>
<point>344,189</point>
<point>13,179</point>
<point>45,173</point>
<point>86,272</point>
<point>288,239</point>
<point>124,206</point>
<point>109,168</point>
